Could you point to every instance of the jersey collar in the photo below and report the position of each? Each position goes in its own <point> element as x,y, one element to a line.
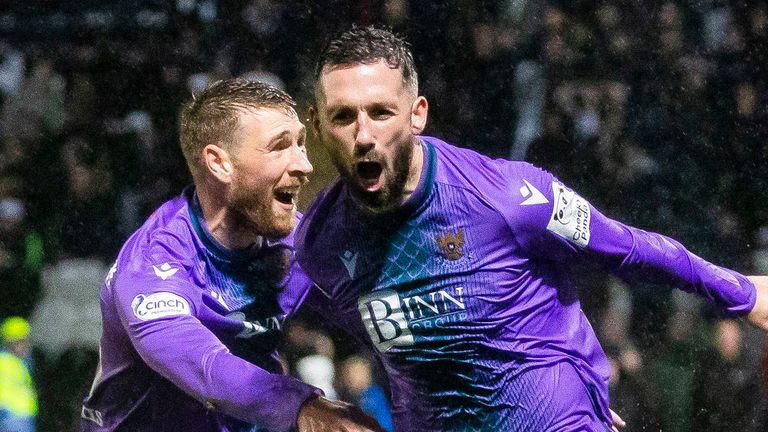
<point>210,243</point>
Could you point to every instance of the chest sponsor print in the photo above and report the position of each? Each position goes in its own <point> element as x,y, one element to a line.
<point>390,319</point>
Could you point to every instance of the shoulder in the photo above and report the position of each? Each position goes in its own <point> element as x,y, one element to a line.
<point>504,185</point>
<point>163,251</point>
<point>467,168</point>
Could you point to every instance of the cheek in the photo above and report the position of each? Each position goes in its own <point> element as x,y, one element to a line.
<point>336,148</point>
<point>400,132</point>
<point>340,135</point>
<point>253,182</point>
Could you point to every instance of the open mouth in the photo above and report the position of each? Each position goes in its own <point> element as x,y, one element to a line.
<point>286,196</point>
<point>368,172</point>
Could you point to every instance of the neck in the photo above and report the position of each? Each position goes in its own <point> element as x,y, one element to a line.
<point>414,173</point>
<point>221,222</point>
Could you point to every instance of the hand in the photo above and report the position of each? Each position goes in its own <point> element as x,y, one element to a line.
<point>617,422</point>
<point>759,314</point>
<point>323,415</point>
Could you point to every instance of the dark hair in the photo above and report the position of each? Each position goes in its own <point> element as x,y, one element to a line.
<point>365,45</point>
<point>212,116</point>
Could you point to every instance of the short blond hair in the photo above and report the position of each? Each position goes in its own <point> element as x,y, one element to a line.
<point>212,116</point>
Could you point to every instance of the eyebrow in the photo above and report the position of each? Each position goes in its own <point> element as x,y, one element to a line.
<point>374,105</point>
<point>286,133</point>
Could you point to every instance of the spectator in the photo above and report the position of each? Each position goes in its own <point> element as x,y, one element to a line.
<point>357,386</point>
<point>21,259</point>
<point>726,387</point>
<point>18,400</point>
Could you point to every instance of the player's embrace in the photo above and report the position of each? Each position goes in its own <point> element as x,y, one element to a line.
<point>453,266</point>
<point>193,307</point>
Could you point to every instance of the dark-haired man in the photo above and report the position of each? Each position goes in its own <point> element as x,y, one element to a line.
<point>453,266</point>
<point>193,307</point>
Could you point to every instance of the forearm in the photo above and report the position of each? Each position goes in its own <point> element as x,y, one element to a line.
<point>635,254</point>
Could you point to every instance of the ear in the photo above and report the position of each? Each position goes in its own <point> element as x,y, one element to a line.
<point>218,163</point>
<point>419,111</point>
<point>314,121</point>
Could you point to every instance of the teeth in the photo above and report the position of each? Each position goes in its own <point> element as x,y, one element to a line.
<point>286,196</point>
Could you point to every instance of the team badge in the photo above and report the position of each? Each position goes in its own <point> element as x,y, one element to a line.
<point>451,244</point>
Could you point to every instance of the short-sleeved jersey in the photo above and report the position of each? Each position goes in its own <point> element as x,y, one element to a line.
<point>465,291</point>
<point>190,331</point>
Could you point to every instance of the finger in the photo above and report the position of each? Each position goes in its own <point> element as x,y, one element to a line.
<point>617,421</point>
<point>367,421</point>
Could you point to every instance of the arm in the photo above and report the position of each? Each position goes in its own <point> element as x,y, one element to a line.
<point>566,227</point>
<point>182,350</point>
<point>170,327</point>
<point>172,330</point>
<point>759,314</point>
<point>207,371</point>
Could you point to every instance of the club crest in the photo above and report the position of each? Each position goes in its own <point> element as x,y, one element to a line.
<point>451,244</point>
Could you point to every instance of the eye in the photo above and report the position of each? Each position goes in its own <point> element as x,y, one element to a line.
<point>282,145</point>
<point>381,113</point>
<point>302,144</point>
<point>343,117</point>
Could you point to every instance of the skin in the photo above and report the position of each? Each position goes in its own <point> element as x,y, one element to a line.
<point>759,314</point>
<point>250,187</point>
<point>365,113</point>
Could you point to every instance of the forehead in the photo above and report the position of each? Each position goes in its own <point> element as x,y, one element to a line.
<point>361,83</point>
<point>269,121</point>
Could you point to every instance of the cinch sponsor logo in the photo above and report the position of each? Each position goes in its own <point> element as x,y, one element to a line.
<point>390,319</point>
<point>570,216</point>
<point>159,304</point>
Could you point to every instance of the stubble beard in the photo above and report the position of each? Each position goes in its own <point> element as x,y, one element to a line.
<point>390,195</point>
<point>252,212</point>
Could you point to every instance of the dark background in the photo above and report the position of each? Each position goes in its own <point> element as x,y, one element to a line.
<point>654,111</point>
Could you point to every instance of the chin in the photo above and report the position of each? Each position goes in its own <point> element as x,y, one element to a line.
<point>276,231</point>
<point>280,226</point>
<point>376,202</point>
<point>271,224</point>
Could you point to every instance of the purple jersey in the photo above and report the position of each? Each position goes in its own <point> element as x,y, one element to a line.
<point>465,293</point>
<point>190,330</point>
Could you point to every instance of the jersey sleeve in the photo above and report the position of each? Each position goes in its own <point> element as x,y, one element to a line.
<point>159,307</point>
<point>551,221</point>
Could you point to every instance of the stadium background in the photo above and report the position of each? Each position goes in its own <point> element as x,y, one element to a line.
<point>653,110</point>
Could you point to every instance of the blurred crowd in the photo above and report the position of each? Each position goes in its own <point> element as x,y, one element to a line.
<point>656,111</point>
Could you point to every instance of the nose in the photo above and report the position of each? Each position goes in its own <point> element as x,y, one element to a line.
<point>364,140</point>
<point>299,164</point>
